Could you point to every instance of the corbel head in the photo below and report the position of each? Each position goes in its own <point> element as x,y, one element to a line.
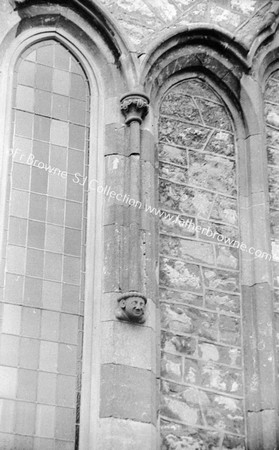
<point>131,307</point>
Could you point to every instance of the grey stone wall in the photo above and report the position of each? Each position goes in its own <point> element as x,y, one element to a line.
<point>213,386</point>
<point>144,21</point>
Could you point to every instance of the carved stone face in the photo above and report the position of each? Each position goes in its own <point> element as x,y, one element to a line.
<point>134,308</point>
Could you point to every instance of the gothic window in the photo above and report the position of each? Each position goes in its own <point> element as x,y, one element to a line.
<point>201,363</point>
<point>272,137</point>
<point>45,258</point>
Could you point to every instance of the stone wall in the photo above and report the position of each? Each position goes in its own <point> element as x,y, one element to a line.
<point>144,21</point>
<point>205,63</point>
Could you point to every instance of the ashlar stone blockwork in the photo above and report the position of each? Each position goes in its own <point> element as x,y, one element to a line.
<point>201,363</point>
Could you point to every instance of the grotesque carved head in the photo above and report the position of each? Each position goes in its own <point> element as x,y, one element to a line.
<point>131,307</point>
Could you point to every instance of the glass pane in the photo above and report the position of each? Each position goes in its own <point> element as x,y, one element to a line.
<point>46,226</point>
<point>199,277</point>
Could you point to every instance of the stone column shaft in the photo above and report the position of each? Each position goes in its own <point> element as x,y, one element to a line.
<point>134,106</point>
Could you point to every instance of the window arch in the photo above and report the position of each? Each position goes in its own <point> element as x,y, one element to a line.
<point>46,236</point>
<point>271,99</point>
<point>201,373</point>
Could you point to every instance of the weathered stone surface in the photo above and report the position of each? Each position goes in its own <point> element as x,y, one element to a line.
<point>272,136</point>
<point>172,154</point>
<point>212,172</point>
<point>271,90</point>
<point>177,224</point>
<point>222,143</point>
<point>225,412</point>
<point>181,319</point>
<point>274,76</point>
<point>227,257</point>
<point>197,14</point>
<point>176,437</point>
<point>144,20</point>
<point>171,367</point>
<point>230,330</point>
<point>186,200</point>
<point>173,173</point>
<point>275,250</point>
<point>174,409</point>
<point>125,434</point>
<point>192,373</point>
<point>135,397</point>
<point>214,115</point>
<point>277,330</point>
<point>224,18</point>
<point>273,156</point>
<point>178,274</point>
<point>275,266</point>
<point>227,231</point>
<point>182,106</point>
<point>171,342</point>
<point>195,88</point>
<point>221,279</point>
<point>273,186</point>
<point>216,377</point>
<point>244,6</point>
<point>199,348</point>
<point>111,244</point>
<point>272,114</point>
<point>247,32</point>
<point>115,139</point>
<point>208,409</point>
<point>276,300</point>
<point>119,341</point>
<point>225,209</point>
<point>219,301</point>
<point>187,250</point>
<point>169,295</point>
<point>182,134</point>
<point>226,355</point>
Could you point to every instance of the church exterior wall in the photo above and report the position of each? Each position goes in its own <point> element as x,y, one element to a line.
<point>184,92</point>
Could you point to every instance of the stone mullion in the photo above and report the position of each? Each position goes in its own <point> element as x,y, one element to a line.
<point>258,317</point>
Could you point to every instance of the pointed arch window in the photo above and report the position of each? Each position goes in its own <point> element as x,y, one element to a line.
<point>201,363</point>
<point>46,236</point>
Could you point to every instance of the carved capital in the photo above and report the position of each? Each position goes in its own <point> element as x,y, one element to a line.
<point>131,307</point>
<point>15,3</point>
<point>134,106</point>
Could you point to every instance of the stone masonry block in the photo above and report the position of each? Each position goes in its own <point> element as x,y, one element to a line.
<point>126,434</point>
<point>259,349</point>
<point>261,427</point>
<point>127,344</point>
<point>111,258</point>
<point>147,143</point>
<point>128,393</point>
<point>115,139</point>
